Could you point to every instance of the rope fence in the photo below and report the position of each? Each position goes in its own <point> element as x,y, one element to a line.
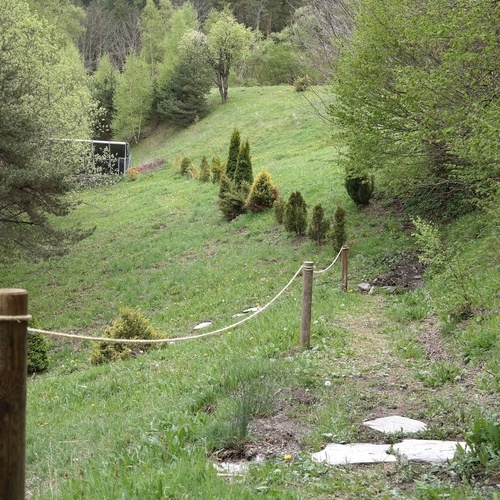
<point>14,319</point>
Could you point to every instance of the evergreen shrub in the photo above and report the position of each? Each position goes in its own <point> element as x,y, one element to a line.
<point>232,203</point>
<point>295,216</point>
<point>234,151</point>
<point>130,325</point>
<point>302,83</point>
<point>185,165</point>
<point>204,170</point>
<point>38,351</point>
<point>359,187</point>
<point>263,193</point>
<point>279,209</point>
<point>243,172</point>
<point>319,226</point>
<point>337,234</point>
<point>217,169</point>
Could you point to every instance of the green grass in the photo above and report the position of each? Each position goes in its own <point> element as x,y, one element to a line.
<point>151,427</point>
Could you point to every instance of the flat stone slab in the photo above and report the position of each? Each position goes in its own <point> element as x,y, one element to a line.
<point>363,453</point>
<point>412,450</point>
<point>395,424</point>
<point>428,451</point>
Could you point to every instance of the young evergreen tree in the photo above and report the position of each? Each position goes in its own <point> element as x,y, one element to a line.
<point>338,235</point>
<point>318,226</point>
<point>263,193</point>
<point>295,216</point>
<point>216,169</point>
<point>279,210</point>
<point>185,165</point>
<point>234,150</point>
<point>184,99</point>
<point>204,170</point>
<point>243,173</point>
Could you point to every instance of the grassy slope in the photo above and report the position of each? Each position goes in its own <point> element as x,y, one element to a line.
<point>140,429</point>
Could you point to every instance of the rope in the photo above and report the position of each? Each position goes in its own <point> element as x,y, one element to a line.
<point>25,317</point>
<point>331,265</point>
<point>167,340</point>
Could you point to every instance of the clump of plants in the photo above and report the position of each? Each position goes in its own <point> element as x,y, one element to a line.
<point>263,193</point>
<point>295,216</point>
<point>204,175</point>
<point>302,83</point>
<point>319,225</point>
<point>185,166</point>
<point>131,324</point>
<point>38,351</point>
<point>337,234</point>
<point>216,169</point>
<point>279,209</point>
<point>359,187</point>
<point>132,174</point>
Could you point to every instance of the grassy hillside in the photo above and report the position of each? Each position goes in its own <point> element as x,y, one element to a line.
<point>152,427</point>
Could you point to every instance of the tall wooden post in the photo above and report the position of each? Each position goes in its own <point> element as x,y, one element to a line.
<point>345,255</point>
<point>13,368</point>
<point>305,322</point>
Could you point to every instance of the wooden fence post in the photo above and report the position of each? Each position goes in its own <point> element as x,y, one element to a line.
<point>305,322</point>
<point>13,369</point>
<point>345,255</point>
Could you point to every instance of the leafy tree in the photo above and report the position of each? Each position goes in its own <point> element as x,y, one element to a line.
<point>133,100</point>
<point>234,150</point>
<point>103,85</point>
<point>295,216</point>
<point>416,96</point>
<point>243,173</point>
<point>184,99</point>
<point>318,226</point>
<point>182,21</point>
<point>228,43</point>
<point>263,193</point>
<point>153,25</point>
<point>43,97</point>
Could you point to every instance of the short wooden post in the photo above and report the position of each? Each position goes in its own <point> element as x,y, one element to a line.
<point>345,258</point>
<point>13,368</point>
<point>305,322</point>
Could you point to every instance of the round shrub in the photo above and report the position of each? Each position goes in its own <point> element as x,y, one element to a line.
<point>130,325</point>
<point>359,187</point>
<point>38,353</point>
<point>263,193</point>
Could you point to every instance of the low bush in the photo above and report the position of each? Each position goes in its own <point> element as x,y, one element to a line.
<point>337,234</point>
<point>217,169</point>
<point>263,193</point>
<point>359,187</point>
<point>130,325</point>
<point>38,353</point>
<point>204,175</point>
<point>279,210</point>
<point>185,166</point>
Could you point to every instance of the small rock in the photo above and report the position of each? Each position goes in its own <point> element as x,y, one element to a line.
<point>417,277</point>
<point>394,424</point>
<point>372,291</point>
<point>365,287</point>
<point>252,309</point>
<point>390,289</point>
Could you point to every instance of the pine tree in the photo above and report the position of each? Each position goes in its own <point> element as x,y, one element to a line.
<point>234,149</point>
<point>319,226</point>
<point>295,217</point>
<point>262,193</point>
<point>243,173</point>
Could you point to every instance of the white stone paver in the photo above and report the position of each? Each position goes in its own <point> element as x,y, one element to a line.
<point>394,424</point>
<point>363,453</point>
<point>428,451</point>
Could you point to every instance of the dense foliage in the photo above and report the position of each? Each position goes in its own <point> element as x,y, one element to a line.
<point>416,95</point>
<point>43,97</point>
